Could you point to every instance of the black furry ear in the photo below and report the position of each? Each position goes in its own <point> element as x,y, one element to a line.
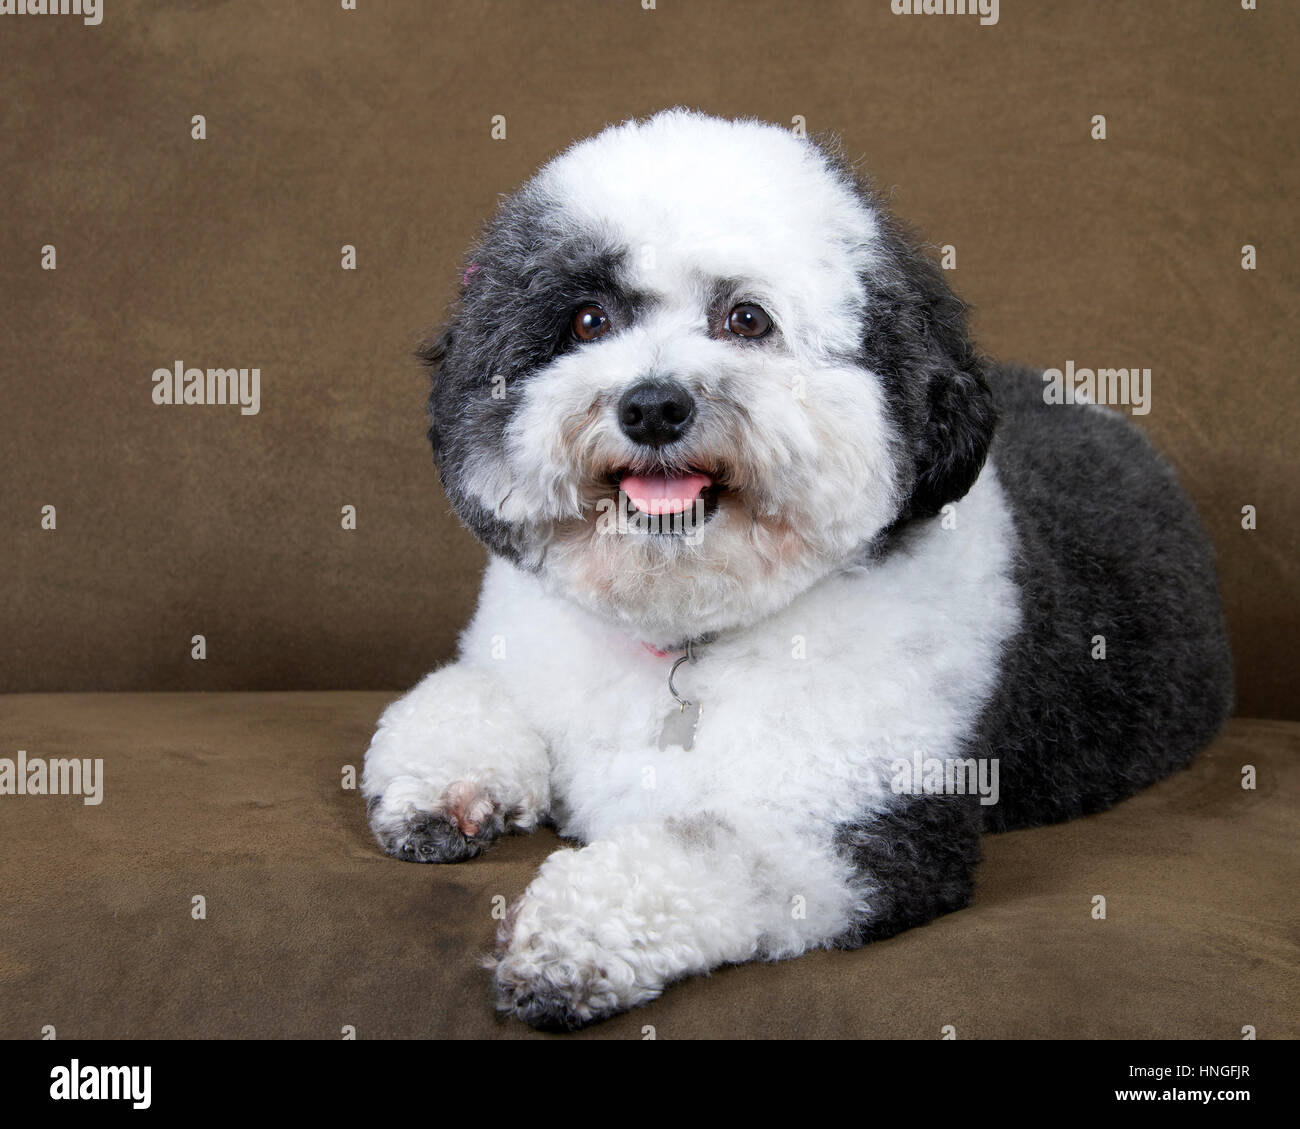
<point>954,442</point>
<point>431,353</point>
<point>916,342</point>
<point>433,350</point>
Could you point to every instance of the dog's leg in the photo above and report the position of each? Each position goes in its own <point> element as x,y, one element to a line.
<point>606,927</point>
<point>609,926</point>
<point>451,766</point>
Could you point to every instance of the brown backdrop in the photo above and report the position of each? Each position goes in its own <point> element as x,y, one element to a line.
<point>372,127</point>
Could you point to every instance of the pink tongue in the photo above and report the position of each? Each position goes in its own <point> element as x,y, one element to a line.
<point>659,494</point>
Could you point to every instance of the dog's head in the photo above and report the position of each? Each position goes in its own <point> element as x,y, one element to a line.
<point>695,368</point>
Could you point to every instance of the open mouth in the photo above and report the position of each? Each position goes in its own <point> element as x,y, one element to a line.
<point>680,499</point>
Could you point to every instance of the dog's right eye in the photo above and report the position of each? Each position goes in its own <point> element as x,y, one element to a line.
<point>590,322</point>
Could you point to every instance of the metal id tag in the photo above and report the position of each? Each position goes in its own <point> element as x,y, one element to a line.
<point>679,727</point>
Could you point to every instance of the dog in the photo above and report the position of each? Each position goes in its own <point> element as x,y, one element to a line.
<point>791,593</point>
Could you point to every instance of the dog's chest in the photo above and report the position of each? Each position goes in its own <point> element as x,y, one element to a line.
<point>804,712</point>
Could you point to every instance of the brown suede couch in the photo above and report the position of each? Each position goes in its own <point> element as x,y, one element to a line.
<point>225,778</point>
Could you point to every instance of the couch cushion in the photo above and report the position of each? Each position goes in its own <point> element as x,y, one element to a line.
<point>308,928</point>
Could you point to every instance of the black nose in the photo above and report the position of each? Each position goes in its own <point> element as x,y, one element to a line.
<point>655,412</point>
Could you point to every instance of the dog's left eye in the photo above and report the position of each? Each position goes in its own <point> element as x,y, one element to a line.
<point>749,320</point>
<point>589,322</point>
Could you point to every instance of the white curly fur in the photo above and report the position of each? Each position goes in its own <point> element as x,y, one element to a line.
<point>824,671</point>
<point>724,852</point>
<point>455,746</point>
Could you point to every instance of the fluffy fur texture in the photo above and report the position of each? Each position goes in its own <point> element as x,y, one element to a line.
<point>885,570</point>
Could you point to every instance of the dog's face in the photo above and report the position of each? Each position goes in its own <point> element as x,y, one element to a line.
<point>708,330</point>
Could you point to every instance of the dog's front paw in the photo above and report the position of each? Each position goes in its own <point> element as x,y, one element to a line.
<point>416,822</point>
<point>560,978</point>
<point>591,936</point>
<point>451,766</point>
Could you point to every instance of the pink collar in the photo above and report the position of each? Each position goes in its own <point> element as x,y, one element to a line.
<point>682,647</point>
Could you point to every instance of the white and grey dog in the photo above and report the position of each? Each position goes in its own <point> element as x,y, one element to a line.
<point>769,602</point>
